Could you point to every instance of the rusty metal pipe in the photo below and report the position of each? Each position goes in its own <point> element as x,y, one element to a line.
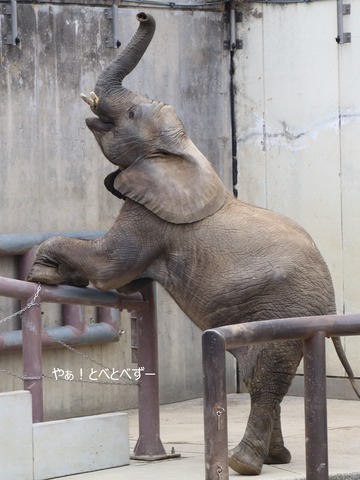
<point>149,445</point>
<point>316,443</point>
<point>31,331</point>
<point>312,330</point>
<point>288,328</point>
<point>110,316</point>
<point>91,296</point>
<point>10,287</point>
<point>96,333</point>
<point>90,335</point>
<point>32,359</point>
<point>215,406</point>
<point>73,316</point>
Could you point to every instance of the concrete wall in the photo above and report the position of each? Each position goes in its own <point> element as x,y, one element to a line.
<point>298,129</point>
<point>52,170</point>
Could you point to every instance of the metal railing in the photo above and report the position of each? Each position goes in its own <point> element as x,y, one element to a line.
<point>73,329</point>
<point>313,332</point>
<point>32,331</point>
<point>33,337</point>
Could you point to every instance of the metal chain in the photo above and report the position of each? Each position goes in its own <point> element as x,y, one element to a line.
<point>33,303</point>
<point>51,377</point>
<point>87,357</point>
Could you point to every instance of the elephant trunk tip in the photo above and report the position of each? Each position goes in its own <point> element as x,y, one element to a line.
<point>146,18</point>
<point>142,17</point>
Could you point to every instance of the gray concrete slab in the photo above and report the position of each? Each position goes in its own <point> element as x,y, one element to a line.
<point>182,429</point>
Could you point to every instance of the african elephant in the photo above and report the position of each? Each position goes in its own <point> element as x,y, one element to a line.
<point>223,261</point>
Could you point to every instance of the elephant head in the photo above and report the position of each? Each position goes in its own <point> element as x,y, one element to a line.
<point>159,166</point>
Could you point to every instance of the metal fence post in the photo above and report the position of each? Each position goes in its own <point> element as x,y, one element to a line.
<point>149,445</point>
<point>312,331</point>
<point>316,443</point>
<point>215,406</point>
<point>32,359</point>
<point>32,345</point>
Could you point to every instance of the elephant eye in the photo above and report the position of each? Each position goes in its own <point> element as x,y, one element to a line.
<point>131,114</point>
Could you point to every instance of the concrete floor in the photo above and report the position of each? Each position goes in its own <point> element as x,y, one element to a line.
<point>182,429</point>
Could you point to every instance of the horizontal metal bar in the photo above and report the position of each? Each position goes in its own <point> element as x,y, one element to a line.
<point>299,328</point>
<point>93,334</point>
<point>20,243</point>
<point>12,288</point>
<point>283,1</point>
<point>91,296</point>
<point>177,4</point>
<point>193,5</point>
<point>64,294</point>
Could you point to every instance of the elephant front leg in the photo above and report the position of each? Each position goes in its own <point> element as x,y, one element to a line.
<point>49,268</point>
<point>110,262</point>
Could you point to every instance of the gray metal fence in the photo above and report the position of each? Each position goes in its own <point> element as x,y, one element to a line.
<point>33,336</point>
<point>313,331</point>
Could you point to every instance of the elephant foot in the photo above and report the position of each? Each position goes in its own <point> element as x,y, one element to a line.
<point>56,276</point>
<point>278,455</point>
<point>43,274</point>
<point>244,460</point>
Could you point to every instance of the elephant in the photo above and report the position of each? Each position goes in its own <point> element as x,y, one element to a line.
<point>222,260</point>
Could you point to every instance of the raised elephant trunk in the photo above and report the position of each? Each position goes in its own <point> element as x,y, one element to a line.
<point>114,74</point>
<point>110,80</point>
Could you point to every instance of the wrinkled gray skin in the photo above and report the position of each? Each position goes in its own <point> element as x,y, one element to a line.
<point>222,261</point>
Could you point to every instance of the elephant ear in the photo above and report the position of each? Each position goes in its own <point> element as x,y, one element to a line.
<point>179,189</point>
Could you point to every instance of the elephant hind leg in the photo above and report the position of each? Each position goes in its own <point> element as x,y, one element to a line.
<point>261,444</point>
<point>278,453</point>
<point>248,456</point>
<point>268,371</point>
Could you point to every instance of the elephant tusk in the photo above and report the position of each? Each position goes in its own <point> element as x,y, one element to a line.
<point>92,100</point>
<point>86,99</point>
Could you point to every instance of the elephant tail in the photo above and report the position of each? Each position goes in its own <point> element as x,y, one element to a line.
<point>344,361</point>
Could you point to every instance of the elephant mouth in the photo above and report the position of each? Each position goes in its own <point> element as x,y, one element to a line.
<point>98,125</point>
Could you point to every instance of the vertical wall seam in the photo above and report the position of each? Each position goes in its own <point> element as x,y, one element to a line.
<point>264,111</point>
<point>341,184</point>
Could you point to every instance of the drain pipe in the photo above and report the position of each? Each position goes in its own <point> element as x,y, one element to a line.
<point>234,45</point>
<point>342,37</point>
<point>232,28</point>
